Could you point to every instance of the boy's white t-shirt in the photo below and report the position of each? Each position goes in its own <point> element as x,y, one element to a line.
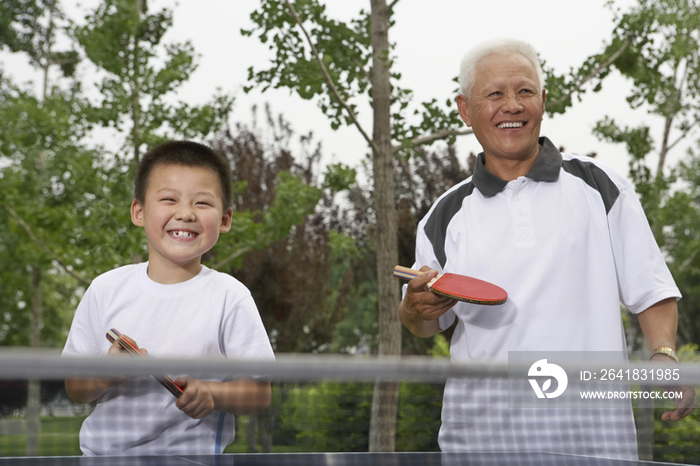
<point>212,315</point>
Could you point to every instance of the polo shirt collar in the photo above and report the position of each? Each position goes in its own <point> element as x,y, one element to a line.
<point>545,168</point>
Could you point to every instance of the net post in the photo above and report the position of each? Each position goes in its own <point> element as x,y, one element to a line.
<point>645,426</point>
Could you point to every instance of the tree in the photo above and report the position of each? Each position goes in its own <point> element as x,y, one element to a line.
<point>662,61</point>
<point>57,195</point>
<point>656,45</point>
<point>123,39</point>
<point>283,248</point>
<point>320,58</point>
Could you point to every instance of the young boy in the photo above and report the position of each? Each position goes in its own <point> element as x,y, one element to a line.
<point>176,307</point>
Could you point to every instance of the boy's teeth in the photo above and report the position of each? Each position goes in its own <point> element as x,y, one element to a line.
<point>514,124</point>
<point>182,234</point>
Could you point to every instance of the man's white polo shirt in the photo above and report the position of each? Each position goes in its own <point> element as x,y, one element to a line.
<point>568,242</point>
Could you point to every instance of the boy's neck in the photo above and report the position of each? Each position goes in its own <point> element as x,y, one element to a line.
<point>170,274</point>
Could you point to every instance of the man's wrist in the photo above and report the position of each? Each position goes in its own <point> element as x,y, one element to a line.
<point>666,351</point>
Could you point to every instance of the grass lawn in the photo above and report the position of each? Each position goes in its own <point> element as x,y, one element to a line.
<point>59,437</point>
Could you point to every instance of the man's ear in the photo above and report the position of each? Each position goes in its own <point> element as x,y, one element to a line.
<point>544,98</point>
<point>463,107</point>
<point>137,213</point>
<point>226,221</point>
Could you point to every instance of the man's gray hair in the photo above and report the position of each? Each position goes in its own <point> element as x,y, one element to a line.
<point>504,46</point>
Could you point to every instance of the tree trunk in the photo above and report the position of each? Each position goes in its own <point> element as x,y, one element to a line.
<point>135,103</point>
<point>664,146</point>
<point>385,399</point>
<point>33,412</point>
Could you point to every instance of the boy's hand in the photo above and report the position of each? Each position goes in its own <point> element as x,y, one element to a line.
<point>115,349</point>
<point>197,400</point>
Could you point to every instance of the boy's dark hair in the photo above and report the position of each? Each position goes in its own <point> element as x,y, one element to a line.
<point>189,154</point>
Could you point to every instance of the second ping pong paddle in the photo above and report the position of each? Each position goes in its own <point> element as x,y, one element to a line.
<point>459,287</point>
<point>114,335</point>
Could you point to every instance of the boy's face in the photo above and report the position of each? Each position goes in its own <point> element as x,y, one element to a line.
<point>183,215</point>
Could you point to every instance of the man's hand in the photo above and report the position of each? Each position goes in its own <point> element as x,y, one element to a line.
<point>420,308</point>
<point>684,405</point>
<point>659,323</point>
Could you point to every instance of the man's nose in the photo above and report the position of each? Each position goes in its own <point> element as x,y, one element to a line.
<point>512,103</point>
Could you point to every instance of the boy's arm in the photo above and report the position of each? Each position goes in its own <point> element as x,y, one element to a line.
<point>240,396</point>
<point>87,390</point>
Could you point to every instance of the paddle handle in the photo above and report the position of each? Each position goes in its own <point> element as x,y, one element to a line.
<point>405,272</point>
<point>114,335</point>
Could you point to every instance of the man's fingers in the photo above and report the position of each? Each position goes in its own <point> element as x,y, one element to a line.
<point>438,309</point>
<point>685,406</point>
<point>421,281</point>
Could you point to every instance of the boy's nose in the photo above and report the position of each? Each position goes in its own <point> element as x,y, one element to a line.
<point>185,213</point>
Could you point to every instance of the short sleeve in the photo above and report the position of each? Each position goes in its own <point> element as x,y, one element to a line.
<point>642,274</point>
<point>244,334</point>
<point>82,337</point>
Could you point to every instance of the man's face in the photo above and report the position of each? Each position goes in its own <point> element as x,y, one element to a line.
<point>505,108</point>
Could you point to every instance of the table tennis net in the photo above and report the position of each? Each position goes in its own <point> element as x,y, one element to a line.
<point>325,403</point>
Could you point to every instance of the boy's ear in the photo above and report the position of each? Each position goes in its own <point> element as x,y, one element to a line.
<point>226,221</point>
<point>136,213</point>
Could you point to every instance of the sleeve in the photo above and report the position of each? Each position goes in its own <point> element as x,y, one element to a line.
<point>244,334</point>
<point>82,337</point>
<point>425,255</point>
<point>642,274</point>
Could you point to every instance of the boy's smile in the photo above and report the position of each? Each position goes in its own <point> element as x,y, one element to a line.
<point>183,215</point>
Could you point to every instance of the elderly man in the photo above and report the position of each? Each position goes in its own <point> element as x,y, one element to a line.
<point>566,237</point>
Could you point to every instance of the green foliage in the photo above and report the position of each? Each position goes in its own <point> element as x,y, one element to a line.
<point>345,50</point>
<point>651,189</point>
<point>335,417</point>
<point>135,92</point>
<point>682,243</point>
<point>55,196</point>
<point>295,199</point>
<point>27,26</point>
<point>661,61</point>
<point>293,202</point>
<point>677,442</point>
<point>339,177</point>
<point>441,347</point>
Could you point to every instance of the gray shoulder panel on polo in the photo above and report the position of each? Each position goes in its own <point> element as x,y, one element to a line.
<point>546,168</point>
<point>596,178</point>
<point>436,226</point>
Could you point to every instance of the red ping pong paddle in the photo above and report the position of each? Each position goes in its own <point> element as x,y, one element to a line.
<point>459,287</point>
<point>114,335</point>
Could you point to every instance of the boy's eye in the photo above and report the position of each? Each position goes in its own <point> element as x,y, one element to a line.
<point>168,199</point>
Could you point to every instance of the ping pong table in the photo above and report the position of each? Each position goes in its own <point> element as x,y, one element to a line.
<point>332,459</point>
